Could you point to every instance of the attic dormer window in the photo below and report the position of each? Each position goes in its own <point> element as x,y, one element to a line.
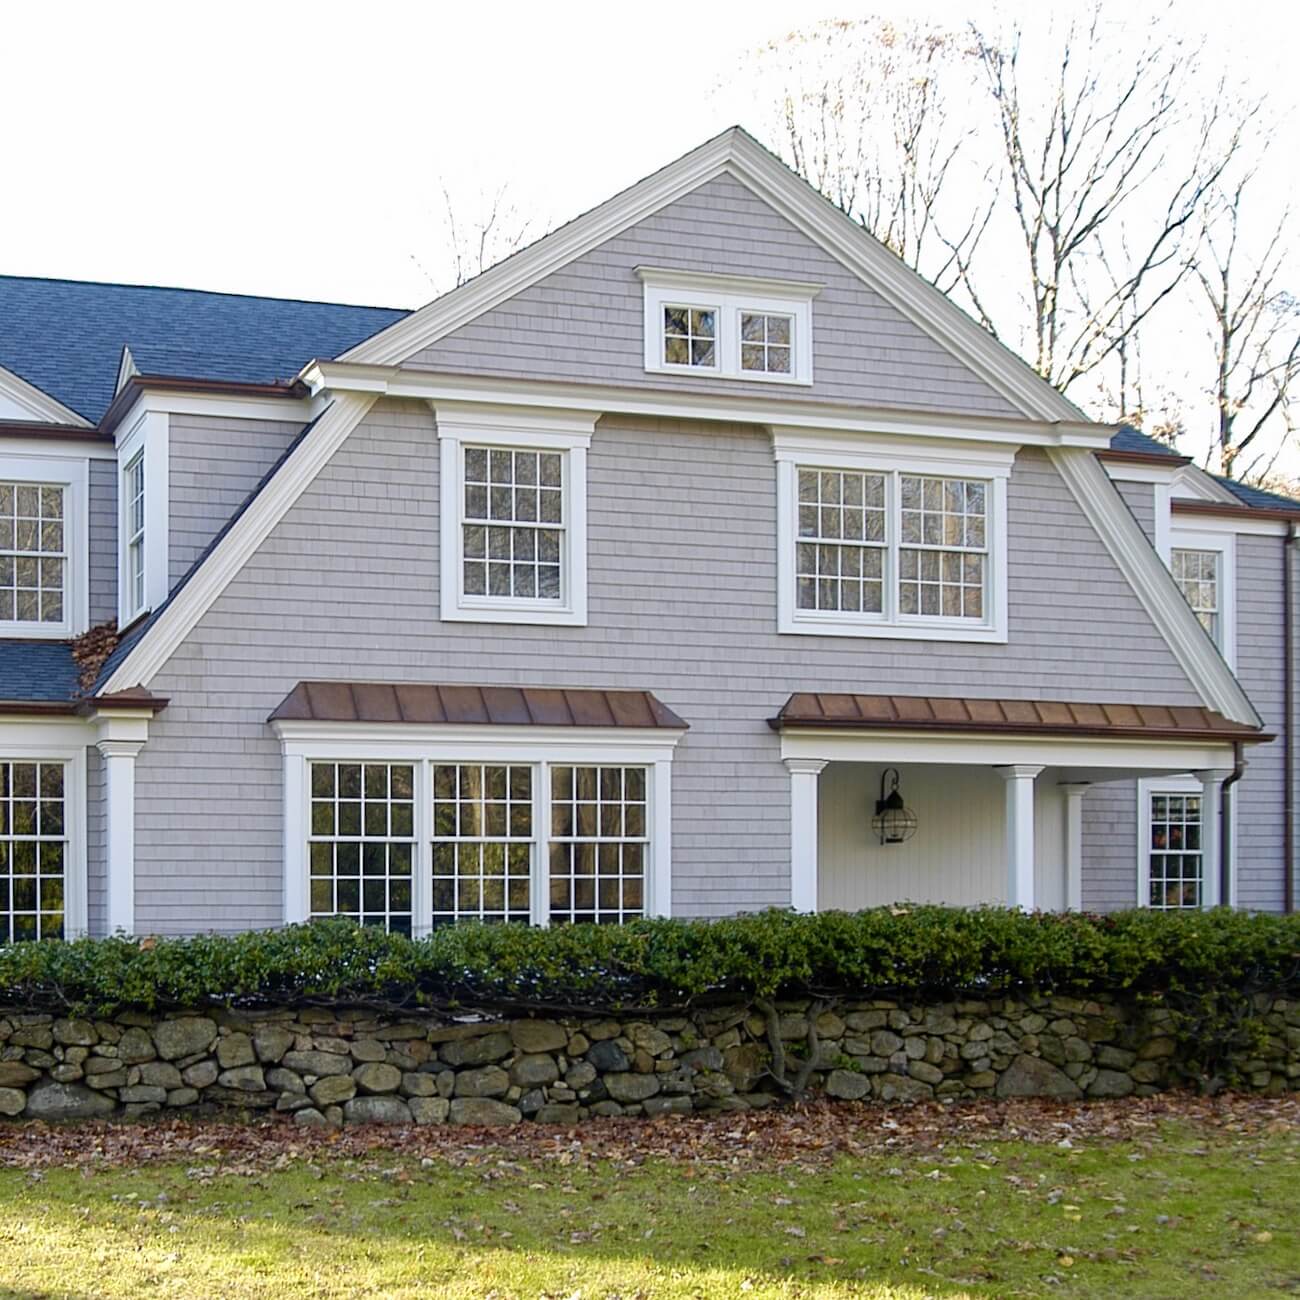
<point>728,326</point>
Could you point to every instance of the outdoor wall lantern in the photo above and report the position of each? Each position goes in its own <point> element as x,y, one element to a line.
<point>894,821</point>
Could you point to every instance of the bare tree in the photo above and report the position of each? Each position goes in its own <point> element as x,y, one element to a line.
<point>477,234</point>
<point>865,113</point>
<point>1108,163</point>
<point>1255,334</point>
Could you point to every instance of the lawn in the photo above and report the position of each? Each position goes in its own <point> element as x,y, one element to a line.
<point>1177,1206</point>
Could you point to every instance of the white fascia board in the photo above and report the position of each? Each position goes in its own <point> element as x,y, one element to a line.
<point>1227,525</point>
<point>234,550</point>
<point>226,406</point>
<point>1153,585</point>
<point>964,749</point>
<point>736,154</point>
<point>431,386</point>
<point>20,400</point>
<point>1123,471</point>
<point>60,448</point>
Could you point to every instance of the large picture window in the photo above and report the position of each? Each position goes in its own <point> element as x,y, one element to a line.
<point>871,546</point>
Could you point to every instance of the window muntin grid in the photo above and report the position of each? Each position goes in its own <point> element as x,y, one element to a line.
<point>482,842</point>
<point>513,524</point>
<point>766,342</point>
<point>1176,862</point>
<point>599,843</point>
<point>690,337</point>
<point>840,552</point>
<point>135,531</point>
<point>361,846</point>
<point>1197,575</point>
<point>33,850</point>
<point>943,525</point>
<point>33,552</point>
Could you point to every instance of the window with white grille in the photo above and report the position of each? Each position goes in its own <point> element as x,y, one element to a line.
<point>361,845</point>
<point>1197,575</point>
<point>483,849</point>
<point>1176,876</point>
<point>133,519</point>
<point>34,850</point>
<point>33,553</point>
<point>600,841</point>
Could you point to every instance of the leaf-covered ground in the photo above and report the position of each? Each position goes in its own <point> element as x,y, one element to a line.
<point>1166,1197</point>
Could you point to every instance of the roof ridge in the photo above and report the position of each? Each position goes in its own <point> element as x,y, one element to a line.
<point>209,293</point>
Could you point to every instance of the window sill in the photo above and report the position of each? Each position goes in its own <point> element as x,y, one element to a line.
<point>36,631</point>
<point>522,613</point>
<point>900,631</point>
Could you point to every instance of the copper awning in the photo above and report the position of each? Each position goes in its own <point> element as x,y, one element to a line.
<point>1036,717</point>
<point>502,706</point>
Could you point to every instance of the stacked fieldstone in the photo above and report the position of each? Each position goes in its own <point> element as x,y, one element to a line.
<point>329,1067</point>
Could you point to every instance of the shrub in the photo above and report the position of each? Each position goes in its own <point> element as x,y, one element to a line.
<point>910,951</point>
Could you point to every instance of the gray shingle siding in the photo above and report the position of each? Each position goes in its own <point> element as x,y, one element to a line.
<point>1141,500</point>
<point>103,540</point>
<point>584,322</point>
<point>213,464</point>
<point>1110,847</point>
<point>682,588</point>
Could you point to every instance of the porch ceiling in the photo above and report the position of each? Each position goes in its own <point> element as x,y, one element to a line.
<point>914,713</point>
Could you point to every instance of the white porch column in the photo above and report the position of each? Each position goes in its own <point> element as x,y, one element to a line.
<point>803,831</point>
<point>1211,780</point>
<point>1020,833</point>
<point>122,733</point>
<point>1074,792</point>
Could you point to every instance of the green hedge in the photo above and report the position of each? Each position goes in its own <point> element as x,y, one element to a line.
<point>904,950</point>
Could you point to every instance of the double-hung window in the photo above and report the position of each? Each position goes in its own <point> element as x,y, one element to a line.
<point>728,326</point>
<point>143,576</point>
<point>1171,848</point>
<point>1203,562</point>
<point>43,557</point>
<point>133,523</point>
<point>884,543</point>
<point>513,502</point>
<point>421,835</point>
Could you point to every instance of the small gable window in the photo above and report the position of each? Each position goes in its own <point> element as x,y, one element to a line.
<point>728,326</point>
<point>134,522</point>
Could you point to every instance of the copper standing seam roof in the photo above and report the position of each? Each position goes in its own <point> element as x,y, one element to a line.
<point>510,706</point>
<point>932,713</point>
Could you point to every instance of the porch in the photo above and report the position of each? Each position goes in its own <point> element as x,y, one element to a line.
<point>994,794</point>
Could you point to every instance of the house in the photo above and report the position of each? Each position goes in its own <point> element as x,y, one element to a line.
<point>698,558</point>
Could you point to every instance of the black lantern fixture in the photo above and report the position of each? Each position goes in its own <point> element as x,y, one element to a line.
<point>894,821</point>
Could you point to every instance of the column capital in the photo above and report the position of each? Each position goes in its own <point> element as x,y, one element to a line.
<point>1213,775</point>
<point>1018,772</point>
<point>119,748</point>
<point>1074,789</point>
<point>804,766</point>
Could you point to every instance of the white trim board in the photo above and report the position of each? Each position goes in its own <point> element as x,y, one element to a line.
<point>738,155</point>
<point>324,377</point>
<point>20,400</point>
<point>234,550</point>
<point>1153,585</point>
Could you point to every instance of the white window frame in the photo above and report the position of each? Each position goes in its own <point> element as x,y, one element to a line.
<point>61,740</point>
<point>506,428</point>
<point>1185,784</point>
<point>731,297</point>
<point>795,450</point>
<point>424,746</point>
<point>72,474</point>
<point>147,441</point>
<point>1225,543</point>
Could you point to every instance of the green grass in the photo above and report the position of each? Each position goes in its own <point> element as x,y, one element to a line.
<point>1183,1214</point>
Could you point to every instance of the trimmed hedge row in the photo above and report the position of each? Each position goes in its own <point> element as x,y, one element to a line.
<point>905,950</point>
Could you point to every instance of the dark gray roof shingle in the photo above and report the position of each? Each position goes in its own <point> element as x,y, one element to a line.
<point>66,336</point>
<point>37,671</point>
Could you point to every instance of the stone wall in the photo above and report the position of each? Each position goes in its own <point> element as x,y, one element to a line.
<point>330,1067</point>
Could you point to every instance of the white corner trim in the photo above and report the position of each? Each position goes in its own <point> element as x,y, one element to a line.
<point>20,400</point>
<point>1153,585</point>
<point>566,432</point>
<point>234,550</point>
<point>1225,544</point>
<point>424,745</point>
<point>736,154</point>
<point>71,471</point>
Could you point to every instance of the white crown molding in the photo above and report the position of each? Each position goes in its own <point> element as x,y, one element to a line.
<point>722,282</point>
<point>248,532</point>
<point>30,403</point>
<point>324,377</point>
<point>736,154</point>
<point>1153,585</point>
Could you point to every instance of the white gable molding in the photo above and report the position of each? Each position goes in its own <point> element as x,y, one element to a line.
<point>736,154</point>
<point>234,550</point>
<point>1153,584</point>
<point>33,404</point>
<point>1191,481</point>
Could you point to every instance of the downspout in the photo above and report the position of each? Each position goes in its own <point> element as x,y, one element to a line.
<point>1225,823</point>
<point>1288,707</point>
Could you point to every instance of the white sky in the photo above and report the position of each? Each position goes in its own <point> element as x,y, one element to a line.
<point>301,149</point>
